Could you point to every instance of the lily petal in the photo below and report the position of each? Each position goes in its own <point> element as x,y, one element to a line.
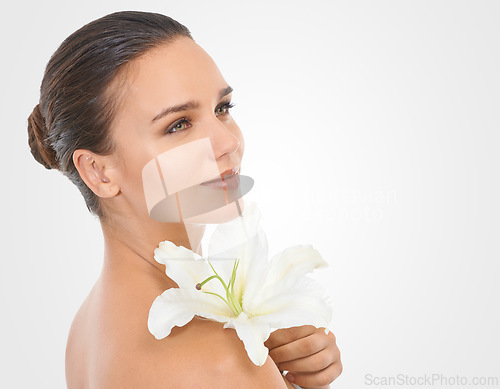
<point>253,332</point>
<point>177,307</point>
<point>290,264</point>
<point>250,282</point>
<point>229,235</point>
<point>294,262</point>
<point>286,305</point>
<point>168,250</point>
<point>186,267</point>
<point>310,312</point>
<point>242,238</point>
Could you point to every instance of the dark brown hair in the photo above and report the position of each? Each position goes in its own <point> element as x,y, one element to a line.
<point>75,111</point>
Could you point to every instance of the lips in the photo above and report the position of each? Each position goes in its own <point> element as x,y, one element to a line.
<point>226,175</point>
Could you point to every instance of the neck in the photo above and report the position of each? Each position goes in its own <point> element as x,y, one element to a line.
<point>129,248</point>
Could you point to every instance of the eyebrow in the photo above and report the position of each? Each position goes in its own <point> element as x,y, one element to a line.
<point>189,105</point>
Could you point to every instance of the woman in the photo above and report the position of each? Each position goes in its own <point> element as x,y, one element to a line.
<point>100,120</point>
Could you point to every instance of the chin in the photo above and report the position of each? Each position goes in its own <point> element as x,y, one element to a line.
<point>220,215</point>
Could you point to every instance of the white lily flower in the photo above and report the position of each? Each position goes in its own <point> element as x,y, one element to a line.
<point>238,285</point>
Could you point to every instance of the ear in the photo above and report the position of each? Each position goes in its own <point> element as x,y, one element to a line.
<point>96,172</point>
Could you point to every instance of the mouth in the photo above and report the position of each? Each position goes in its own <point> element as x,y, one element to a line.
<point>225,176</point>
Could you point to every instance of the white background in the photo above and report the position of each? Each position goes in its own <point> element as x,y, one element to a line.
<point>372,132</point>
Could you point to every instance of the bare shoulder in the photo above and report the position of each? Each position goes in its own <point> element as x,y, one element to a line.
<point>204,354</point>
<point>110,346</point>
<point>76,356</point>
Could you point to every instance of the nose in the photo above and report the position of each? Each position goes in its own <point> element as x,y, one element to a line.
<point>224,141</point>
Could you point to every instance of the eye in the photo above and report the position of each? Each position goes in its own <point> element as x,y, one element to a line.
<point>223,109</point>
<point>178,126</point>
<point>184,123</point>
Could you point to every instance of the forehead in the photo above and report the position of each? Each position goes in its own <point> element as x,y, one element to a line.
<point>169,74</point>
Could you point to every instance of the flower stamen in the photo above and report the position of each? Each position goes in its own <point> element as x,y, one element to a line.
<point>231,301</point>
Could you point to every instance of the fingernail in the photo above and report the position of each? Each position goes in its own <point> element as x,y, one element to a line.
<point>290,377</point>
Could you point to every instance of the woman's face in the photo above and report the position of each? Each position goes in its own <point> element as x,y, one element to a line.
<point>182,76</point>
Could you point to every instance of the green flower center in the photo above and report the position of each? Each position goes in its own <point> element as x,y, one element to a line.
<point>231,299</point>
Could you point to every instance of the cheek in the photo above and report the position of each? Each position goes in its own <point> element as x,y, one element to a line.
<point>239,134</point>
<point>134,185</point>
<point>132,160</point>
<point>242,146</point>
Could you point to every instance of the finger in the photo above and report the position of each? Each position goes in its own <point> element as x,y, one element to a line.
<point>287,335</point>
<point>300,348</point>
<point>317,379</point>
<point>313,363</point>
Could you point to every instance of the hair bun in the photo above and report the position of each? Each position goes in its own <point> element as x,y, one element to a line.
<point>37,133</point>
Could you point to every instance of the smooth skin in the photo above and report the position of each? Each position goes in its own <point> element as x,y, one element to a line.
<point>109,345</point>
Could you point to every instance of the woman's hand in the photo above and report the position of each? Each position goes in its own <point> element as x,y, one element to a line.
<point>311,357</point>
